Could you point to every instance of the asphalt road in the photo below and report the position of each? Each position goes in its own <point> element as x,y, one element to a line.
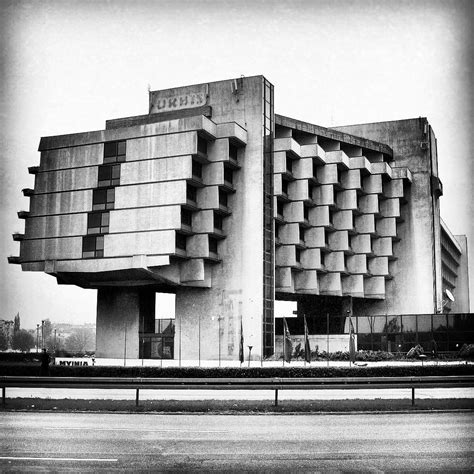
<point>441,442</point>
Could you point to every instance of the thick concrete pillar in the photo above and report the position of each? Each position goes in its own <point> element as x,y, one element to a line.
<point>121,314</point>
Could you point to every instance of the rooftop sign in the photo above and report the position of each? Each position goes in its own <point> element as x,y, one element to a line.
<point>177,99</point>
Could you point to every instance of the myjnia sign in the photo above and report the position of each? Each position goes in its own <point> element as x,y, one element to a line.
<point>176,99</point>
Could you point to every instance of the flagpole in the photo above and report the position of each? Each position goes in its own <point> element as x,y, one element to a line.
<point>327,330</point>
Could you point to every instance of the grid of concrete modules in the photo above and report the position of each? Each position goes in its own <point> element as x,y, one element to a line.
<point>170,201</point>
<point>336,217</point>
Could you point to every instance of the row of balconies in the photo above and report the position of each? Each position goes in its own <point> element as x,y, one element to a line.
<point>330,284</point>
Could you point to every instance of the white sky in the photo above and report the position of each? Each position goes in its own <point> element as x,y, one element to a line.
<point>67,66</point>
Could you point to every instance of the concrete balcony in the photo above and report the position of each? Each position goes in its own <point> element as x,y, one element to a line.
<point>351,179</point>
<point>287,145</point>
<point>330,284</point>
<point>361,164</point>
<point>13,260</point>
<point>28,192</point>
<point>387,227</point>
<point>372,184</point>
<point>366,224</point>
<point>338,157</point>
<point>383,169</point>
<point>374,287</point>
<point>227,152</point>
<point>393,189</point>
<point>347,200</point>
<point>306,282</point>
<point>324,195</point>
<point>339,241</point>
<point>390,208</point>
<point>378,266</point>
<point>383,247</point>
<point>311,260</point>
<point>320,217</point>
<point>233,131</point>
<point>357,264</point>
<point>315,152</point>
<point>335,262</point>
<point>343,220</point>
<point>369,204</point>
<point>361,244</point>
<point>328,174</point>
<point>23,214</point>
<point>33,169</point>
<point>284,280</point>
<point>353,285</point>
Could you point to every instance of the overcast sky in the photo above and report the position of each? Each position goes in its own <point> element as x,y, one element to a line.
<point>67,66</point>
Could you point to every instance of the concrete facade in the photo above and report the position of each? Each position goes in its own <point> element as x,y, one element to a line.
<point>213,197</point>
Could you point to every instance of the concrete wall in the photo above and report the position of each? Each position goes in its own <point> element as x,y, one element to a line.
<point>462,302</point>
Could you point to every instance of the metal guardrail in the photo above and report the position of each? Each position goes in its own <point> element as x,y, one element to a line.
<point>274,383</point>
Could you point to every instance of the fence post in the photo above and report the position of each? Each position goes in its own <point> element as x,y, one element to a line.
<point>413,396</point>
<point>137,401</point>
<point>276,397</point>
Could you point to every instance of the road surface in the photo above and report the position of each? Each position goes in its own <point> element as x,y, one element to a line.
<point>82,442</point>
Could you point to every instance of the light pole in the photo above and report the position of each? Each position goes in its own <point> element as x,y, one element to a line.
<point>250,353</point>
<point>37,336</point>
<point>42,333</point>
<point>55,341</point>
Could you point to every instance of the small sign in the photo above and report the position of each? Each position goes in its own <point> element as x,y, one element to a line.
<point>177,99</point>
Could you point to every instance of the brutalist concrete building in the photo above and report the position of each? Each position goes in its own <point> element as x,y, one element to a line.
<point>213,197</point>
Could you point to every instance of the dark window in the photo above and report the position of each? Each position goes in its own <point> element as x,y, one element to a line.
<point>109,175</point>
<point>277,231</point>
<point>93,246</point>
<point>233,152</point>
<point>305,213</point>
<point>98,222</point>
<point>180,241</point>
<point>197,169</point>
<point>298,255</point>
<point>212,245</point>
<point>289,164</point>
<point>202,145</point>
<point>222,198</point>
<point>218,221</point>
<point>284,187</point>
<point>331,216</point>
<point>228,178</point>
<point>186,217</point>
<point>280,208</point>
<point>115,151</point>
<point>301,232</point>
<point>103,199</point>
<point>191,193</point>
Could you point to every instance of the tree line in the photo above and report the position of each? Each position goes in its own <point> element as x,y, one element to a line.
<point>80,339</point>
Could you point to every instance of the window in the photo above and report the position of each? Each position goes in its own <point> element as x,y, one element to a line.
<point>186,217</point>
<point>191,193</point>
<point>233,152</point>
<point>93,246</point>
<point>103,199</point>
<point>109,175</point>
<point>218,221</point>
<point>301,233</point>
<point>298,255</point>
<point>222,198</point>
<point>305,213</point>
<point>114,152</point>
<point>180,241</point>
<point>331,217</point>
<point>98,222</point>
<point>202,145</point>
<point>197,169</point>
<point>284,187</point>
<point>228,178</point>
<point>280,208</point>
<point>212,245</point>
<point>289,165</point>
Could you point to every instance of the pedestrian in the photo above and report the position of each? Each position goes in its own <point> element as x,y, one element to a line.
<point>45,359</point>
<point>434,348</point>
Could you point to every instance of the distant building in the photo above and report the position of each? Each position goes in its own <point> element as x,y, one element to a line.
<point>7,327</point>
<point>213,197</point>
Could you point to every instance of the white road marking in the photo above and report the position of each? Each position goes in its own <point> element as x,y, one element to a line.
<point>20,458</point>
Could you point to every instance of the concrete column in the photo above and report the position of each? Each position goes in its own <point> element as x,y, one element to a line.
<point>121,314</point>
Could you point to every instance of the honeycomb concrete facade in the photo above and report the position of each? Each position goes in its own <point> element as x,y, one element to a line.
<point>213,197</point>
